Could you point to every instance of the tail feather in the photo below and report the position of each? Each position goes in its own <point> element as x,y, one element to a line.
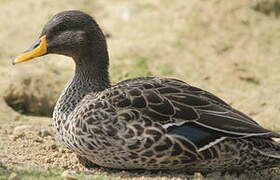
<point>271,154</point>
<point>275,135</point>
<point>269,148</point>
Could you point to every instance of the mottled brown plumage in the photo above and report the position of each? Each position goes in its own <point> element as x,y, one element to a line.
<point>146,123</point>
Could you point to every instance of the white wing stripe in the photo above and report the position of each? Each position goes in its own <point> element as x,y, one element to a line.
<point>211,144</point>
<point>231,132</point>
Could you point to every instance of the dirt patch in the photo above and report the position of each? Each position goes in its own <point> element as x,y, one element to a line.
<point>33,93</point>
<point>33,144</point>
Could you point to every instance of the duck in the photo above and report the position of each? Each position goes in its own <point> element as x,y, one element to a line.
<point>149,123</point>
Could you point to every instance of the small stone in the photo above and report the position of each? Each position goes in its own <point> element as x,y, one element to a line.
<point>48,160</point>
<point>65,156</point>
<point>61,150</point>
<point>17,118</point>
<point>18,136</point>
<point>5,132</point>
<point>69,151</point>
<point>56,154</point>
<point>68,175</point>
<point>44,133</point>
<point>13,176</point>
<point>22,129</point>
<point>38,140</point>
<point>52,147</point>
<point>198,176</point>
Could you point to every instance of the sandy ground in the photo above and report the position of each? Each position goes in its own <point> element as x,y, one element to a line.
<point>230,48</point>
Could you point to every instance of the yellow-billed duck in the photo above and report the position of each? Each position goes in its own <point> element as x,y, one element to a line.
<point>144,123</point>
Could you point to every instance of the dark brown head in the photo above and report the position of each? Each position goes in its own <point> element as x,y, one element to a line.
<point>70,33</point>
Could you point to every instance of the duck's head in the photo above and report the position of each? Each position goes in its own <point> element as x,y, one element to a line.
<point>70,33</point>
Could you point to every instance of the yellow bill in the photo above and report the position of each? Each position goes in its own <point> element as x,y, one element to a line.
<point>39,48</point>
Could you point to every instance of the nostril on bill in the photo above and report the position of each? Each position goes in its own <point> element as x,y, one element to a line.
<point>36,44</point>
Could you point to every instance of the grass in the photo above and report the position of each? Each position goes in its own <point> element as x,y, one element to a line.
<point>30,174</point>
<point>137,65</point>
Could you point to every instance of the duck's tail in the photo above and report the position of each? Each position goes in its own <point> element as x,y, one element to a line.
<point>270,150</point>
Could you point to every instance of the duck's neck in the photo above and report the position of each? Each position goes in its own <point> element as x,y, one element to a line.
<point>91,75</point>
